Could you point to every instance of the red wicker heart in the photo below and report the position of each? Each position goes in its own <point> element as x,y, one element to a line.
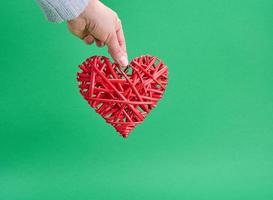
<point>123,96</point>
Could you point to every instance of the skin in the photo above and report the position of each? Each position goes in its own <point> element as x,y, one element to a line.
<point>99,24</point>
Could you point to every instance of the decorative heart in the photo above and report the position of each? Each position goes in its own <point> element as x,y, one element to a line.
<point>123,96</point>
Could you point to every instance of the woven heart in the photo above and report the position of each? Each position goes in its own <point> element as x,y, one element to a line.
<point>123,96</point>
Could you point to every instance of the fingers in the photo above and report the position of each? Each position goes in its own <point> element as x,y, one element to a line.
<point>89,39</point>
<point>78,28</point>
<point>99,43</point>
<point>110,34</point>
<point>120,36</point>
<point>116,51</point>
<point>117,46</point>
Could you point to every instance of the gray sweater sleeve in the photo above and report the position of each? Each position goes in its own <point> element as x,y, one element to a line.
<point>62,10</point>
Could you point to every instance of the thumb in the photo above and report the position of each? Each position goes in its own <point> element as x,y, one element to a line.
<point>78,28</point>
<point>116,51</point>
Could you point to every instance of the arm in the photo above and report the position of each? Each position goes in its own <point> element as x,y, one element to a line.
<point>90,21</point>
<point>62,10</point>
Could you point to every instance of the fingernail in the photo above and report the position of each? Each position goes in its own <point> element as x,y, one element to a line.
<point>123,60</point>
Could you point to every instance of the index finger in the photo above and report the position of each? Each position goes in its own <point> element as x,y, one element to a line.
<point>120,37</point>
<point>116,52</point>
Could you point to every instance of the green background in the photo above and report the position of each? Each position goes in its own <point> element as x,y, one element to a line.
<point>209,138</point>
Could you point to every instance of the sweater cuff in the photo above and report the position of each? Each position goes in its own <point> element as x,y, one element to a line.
<point>62,10</point>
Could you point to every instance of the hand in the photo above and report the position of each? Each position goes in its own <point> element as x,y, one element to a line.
<point>101,24</point>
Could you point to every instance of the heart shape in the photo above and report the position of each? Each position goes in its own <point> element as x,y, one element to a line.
<point>123,96</point>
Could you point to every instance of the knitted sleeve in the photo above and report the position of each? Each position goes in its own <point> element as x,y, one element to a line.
<point>62,10</point>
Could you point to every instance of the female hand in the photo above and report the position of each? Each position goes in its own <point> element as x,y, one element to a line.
<point>101,24</point>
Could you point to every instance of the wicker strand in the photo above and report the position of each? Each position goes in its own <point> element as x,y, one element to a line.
<point>123,97</point>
